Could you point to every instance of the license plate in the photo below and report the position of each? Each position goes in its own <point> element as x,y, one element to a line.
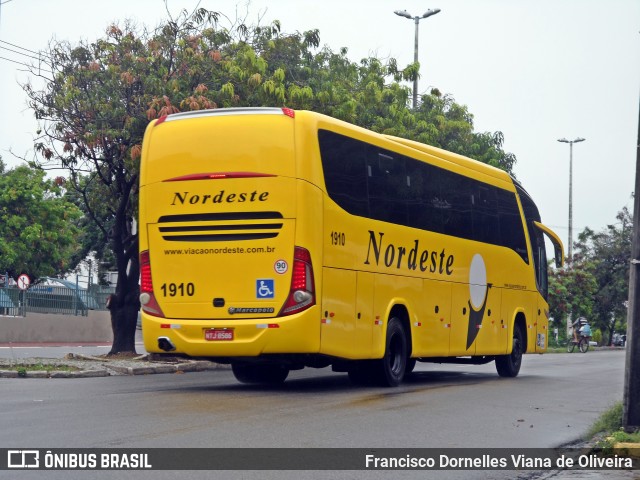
<point>218,335</point>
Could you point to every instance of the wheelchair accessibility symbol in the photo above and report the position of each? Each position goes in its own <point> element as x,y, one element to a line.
<point>265,288</point>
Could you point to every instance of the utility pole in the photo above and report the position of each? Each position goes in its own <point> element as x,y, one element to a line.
<point>570,244</point>
<point>416,19</point>
<point>631,396</point>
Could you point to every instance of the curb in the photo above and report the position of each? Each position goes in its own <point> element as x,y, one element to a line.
<point>196,366</point>
<point>627,449</point>
<point>53,374</point>
<point>110,370</point>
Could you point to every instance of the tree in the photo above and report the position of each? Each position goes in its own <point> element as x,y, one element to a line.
<point>572,292</point>
<point>606,255</point>
<point>38,234</point>
<point>101,95</point>
<point>92,242</point>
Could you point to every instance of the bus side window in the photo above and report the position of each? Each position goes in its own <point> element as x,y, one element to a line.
<point>345,171</point>
<point>456,204</point>
<point>511,228</point>
<point>424,204</point>
<point>538,250</point>
<point>486,221</point>
<point>387,186</point>
<point>539,260</point>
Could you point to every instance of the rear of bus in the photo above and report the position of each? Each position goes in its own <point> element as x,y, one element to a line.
<point>227,260</point>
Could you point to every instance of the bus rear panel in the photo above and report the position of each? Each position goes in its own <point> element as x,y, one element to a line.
<point>221,270</point>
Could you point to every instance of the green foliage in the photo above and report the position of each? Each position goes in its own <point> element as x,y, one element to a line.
<point>609,421</point>
<point>571,291</point>
<point>595,283</point>
<point>606,255</point>
<point>97,218</point>
<point>38,234</point>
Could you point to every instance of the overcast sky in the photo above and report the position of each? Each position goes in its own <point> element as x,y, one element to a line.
<point>537,70</point>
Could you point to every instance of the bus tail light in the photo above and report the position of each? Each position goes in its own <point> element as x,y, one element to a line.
<point>147,297</point>
<point>289,112</point>
<point>302,293</point>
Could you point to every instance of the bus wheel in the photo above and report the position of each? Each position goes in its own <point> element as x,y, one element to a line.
<point>259,374</point>
<point>389,370</point>
<point>509,365</point>
<point>411,364</point>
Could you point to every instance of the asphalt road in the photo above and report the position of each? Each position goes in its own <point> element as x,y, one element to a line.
<point>554,401</point>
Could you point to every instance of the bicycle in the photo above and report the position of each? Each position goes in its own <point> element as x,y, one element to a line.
<point>582,344</point>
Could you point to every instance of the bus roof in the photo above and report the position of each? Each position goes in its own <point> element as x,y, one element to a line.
<point>453,158</point>
<point>445,155</point>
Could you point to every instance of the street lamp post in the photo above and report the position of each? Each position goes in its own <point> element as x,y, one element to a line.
<point>570,142</point>
<point>416,19</point>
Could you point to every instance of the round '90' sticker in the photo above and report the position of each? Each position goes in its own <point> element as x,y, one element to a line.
<point>281,266</point>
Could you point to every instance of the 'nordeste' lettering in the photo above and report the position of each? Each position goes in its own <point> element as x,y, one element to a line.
<point>186,198</point>
<point>412,258</point>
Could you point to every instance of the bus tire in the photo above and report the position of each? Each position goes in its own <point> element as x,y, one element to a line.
<point>389,370</point>
<point>259,374</point>
<point>509,365</point>
<point>411,364</point>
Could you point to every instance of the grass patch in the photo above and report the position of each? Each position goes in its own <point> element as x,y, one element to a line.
<point>557,350</point>
<point>608,428</point>
<point>22,369</point>
<point>610,421</point>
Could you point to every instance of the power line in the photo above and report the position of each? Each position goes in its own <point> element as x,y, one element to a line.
<point>24,64</point>
<point>40,56</point>
<point>14,61</point>
<point>25,49</point>
<point>20,53</point>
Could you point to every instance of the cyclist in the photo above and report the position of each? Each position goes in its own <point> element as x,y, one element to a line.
<point>585,330</point>
<point>577,327</point>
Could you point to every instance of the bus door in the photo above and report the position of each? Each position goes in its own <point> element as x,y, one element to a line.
<point>492,331</point>
<point>432,337</point>
<point>347,306</point>
<point>460,322</point>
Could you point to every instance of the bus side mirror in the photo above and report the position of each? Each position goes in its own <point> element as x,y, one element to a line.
<point>558,249</point>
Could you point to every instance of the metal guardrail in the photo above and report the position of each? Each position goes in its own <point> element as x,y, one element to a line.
<point>43,298</point>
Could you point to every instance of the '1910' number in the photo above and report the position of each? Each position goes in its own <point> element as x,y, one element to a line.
<point>337,238</point>
<point>178,289</point>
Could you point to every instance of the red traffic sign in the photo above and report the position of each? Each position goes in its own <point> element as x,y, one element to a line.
<point>23,281</point>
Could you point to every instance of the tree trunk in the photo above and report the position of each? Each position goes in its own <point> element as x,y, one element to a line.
<point>124,306</point>
<point>124,317</point>
<point>125,303</point>
<point>612,329</point>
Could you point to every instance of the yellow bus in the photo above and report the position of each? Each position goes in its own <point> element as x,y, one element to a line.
<point>274,239</point>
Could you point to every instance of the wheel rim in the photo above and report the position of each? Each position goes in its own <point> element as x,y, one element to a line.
<point>516,354</point>
<point>396,352</point>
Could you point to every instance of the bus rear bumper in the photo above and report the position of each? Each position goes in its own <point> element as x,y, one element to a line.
<point>298,333</point>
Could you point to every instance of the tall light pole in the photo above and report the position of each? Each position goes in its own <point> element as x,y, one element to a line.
<point>416,19</point>
<point>570,142</point>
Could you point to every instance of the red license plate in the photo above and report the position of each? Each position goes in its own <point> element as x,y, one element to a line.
<point>218,335</point>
